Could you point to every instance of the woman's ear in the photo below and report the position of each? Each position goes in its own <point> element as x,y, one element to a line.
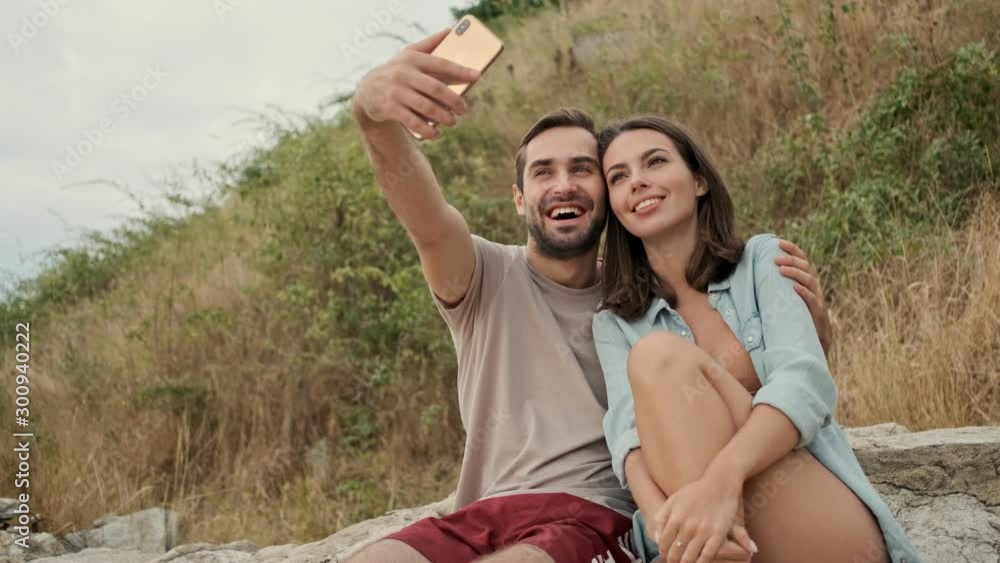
<point>701,186</point>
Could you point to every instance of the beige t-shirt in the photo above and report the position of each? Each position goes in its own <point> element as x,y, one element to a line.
<point>531,392</point>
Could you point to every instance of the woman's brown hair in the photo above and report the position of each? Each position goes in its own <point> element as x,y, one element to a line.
<point>628,279</point>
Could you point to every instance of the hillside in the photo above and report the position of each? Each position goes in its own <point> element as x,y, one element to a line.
<point>271,365</point>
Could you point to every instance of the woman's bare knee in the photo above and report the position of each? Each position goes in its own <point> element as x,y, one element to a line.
<point>664,362</point>
<point>659,355</point>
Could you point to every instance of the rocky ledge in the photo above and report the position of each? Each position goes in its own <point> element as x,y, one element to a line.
<point>943,485</point>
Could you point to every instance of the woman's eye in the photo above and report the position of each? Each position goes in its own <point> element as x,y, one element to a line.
<point>614,178</point>
<point>656,160</point>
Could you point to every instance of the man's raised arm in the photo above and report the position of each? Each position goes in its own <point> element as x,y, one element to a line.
<point>397,95</point>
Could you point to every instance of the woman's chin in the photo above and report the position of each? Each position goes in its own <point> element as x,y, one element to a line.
<point>658,226</point>
<point>648,230</point>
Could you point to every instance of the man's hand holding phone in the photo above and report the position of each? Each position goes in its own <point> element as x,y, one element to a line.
<point>412,89</point>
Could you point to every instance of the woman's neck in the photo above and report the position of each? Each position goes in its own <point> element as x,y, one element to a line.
<point>669,256</point>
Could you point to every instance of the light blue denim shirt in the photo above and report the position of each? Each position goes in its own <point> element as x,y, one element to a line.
<point>775,326</point>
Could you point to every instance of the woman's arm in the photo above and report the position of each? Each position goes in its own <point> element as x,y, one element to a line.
<point>619,422</point>
<point>649,497</point>
<point>799,396</point>
<point>645,491</point>
<point>767,436</point>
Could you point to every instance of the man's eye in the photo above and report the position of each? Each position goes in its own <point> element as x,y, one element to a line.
<point>540,172</point>
<point>582,169</point>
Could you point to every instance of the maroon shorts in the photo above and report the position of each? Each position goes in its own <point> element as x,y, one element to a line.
<point>568,528</point>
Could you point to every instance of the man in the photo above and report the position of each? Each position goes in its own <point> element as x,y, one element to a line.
<point>536,483</point>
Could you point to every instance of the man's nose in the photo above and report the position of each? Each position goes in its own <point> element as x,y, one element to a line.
<point>564,184</point>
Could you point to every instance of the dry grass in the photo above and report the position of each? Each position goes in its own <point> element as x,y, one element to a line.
<point>730,71</point>
<point>113,376</point>
<point>918,340</point>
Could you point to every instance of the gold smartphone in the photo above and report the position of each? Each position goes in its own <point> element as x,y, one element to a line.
<point>471,44</point>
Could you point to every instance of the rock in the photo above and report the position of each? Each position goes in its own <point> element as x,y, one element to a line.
<point>39,545</point>
<point>76,541</point>
<point>884,429</point>
<point>352,539</point>
<point>8,551</point>
<point>950,528</point>
<point>44,545</point>
<point>100,555</point>
<point>150,532</point>
<point>10,518</point>
<point>153,530</point>
<point>7,506</point>
<point>944,486</point>
<point>234,552</point>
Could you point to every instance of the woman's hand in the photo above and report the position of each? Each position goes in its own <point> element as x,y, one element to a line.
<point>796,266</point>
<point>694,523</point>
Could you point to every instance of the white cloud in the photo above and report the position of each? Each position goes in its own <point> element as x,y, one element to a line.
<point>68,75</point>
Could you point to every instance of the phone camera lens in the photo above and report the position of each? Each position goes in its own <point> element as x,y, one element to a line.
<point>462,27</point>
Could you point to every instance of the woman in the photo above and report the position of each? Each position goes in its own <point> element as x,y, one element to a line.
<point>712,360</point>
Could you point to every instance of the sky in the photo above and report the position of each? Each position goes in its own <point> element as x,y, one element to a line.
<point>103,101</point>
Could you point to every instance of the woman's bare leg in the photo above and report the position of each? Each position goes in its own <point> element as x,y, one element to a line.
<point>688,407</point>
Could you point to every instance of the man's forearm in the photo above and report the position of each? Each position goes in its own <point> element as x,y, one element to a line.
<point>406,178</point>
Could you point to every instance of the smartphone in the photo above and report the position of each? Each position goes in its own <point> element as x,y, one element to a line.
<point>471,44</point>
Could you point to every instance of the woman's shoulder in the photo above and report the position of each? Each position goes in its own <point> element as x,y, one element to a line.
<point>607,323</point>
<point>604,318</point>
<point>759,245</point>
<point>749,267</point>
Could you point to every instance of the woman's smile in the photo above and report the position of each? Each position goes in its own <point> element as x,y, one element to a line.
<point>647,204</point>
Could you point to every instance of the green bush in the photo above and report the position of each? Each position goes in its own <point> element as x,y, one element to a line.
<point>487,10</point>
<point>913,165</point>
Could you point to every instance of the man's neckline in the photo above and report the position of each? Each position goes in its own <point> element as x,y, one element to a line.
<point>595,287</point>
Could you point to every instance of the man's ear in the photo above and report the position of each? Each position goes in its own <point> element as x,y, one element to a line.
<point>518,199</point>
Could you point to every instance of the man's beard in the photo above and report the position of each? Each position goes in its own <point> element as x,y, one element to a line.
<point>564,247</point>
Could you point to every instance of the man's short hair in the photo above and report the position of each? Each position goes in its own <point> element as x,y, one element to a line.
<point>565,117</point>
